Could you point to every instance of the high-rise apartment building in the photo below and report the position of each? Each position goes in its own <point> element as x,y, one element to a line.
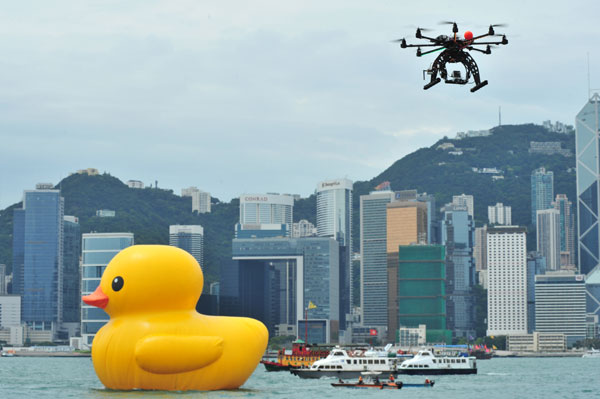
<point>201,200</point>
<point>560,305</point>
<point>567,230</point>
<point>548,237</point>
<point>334,219</point>
<point>38,252</point>
<point>190,239</point>
<point>458,238</point>
<point>507,280</point>
<point>373,262</point>
<point>465,200</point>
<point>71,270</point>
<point>98,249</point>
<point>587,131</point>
<point>500,214</point>
<point>542,192</point>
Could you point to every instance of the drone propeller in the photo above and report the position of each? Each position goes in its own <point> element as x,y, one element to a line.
<point>500,25</point>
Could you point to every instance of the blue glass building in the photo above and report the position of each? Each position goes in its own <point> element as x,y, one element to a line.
<point>542,192</point>
<point>98,249</point>
<point>190,238</point>
<point>588,173</point>
<point>18,264</point>
<point>274,279</point>
<point>71,271</point>
<point>458,236</point>
<point>38,257</point>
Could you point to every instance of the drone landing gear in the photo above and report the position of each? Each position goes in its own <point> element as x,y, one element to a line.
<point>478,86</point>
<point>432,83</point>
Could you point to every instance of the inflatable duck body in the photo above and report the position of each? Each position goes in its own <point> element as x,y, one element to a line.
<point>155,339</point>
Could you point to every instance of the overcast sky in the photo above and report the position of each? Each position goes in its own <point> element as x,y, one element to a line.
<point>264,96</point>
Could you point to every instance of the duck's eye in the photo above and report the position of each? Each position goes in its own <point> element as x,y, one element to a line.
<point>117,283</point>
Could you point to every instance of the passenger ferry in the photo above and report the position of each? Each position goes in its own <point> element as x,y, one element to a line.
<point>426,362</point>
<point>342,363</point>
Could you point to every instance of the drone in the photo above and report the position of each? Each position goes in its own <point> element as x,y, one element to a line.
<point>454,50</point>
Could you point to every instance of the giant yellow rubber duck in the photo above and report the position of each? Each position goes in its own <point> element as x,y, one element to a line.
<point>155,339</point>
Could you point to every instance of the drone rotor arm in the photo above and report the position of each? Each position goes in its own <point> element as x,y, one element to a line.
<point>484,43</point>
<point>432,51</point>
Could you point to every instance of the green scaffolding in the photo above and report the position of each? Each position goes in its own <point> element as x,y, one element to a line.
<point>422,290</point>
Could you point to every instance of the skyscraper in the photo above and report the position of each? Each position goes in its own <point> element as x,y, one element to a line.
<point>406,224</point>
<point>507,280</point>
<point>500,214</point>
<point>275,279</point>
<point>71,271</point>
<point>560,305</point>
<point>38,241</point>
<point>465,200</point>
<point>567,230</point>
<point>334,219</point>
<point>190,239</point>
<point>373,262</point>
<point>542,192</point>
<point>458,237</point>
<point>97,251</point>
<point>480,250</point>
<point>417,292</point>
<point>587,131</point>
<point>548,237</point>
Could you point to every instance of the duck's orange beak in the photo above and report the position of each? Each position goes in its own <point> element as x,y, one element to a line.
<point>97,298</point>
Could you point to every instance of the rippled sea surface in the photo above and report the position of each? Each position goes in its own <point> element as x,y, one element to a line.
<point>530,378</point>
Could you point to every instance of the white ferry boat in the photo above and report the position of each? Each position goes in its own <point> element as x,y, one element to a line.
<point>592,353</point>
<point>350,364</point>
<point>426,362</point>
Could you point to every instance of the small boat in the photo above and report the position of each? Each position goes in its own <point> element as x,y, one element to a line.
<point>592,353</point>
<point>376,384</point>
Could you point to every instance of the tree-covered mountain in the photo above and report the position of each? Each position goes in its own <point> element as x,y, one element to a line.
<point>444,169</point>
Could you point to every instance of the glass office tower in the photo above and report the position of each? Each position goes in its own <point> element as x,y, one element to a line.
<point>97,250</point>
<point>38,257</point>
<point>542,192</point>
<point>588,172</point>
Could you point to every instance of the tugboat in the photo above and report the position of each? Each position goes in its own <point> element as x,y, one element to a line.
<point>301,355</point>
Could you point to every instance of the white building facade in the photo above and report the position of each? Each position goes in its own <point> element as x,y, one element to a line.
<point>256,209</point>
<point>507,280</point>
<point>500,214</point>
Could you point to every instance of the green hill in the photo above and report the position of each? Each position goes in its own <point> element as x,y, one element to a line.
<point>148,212</point>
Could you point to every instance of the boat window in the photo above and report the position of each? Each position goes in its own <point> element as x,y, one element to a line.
<point>435,361</point>
<point>370,361</point>
<point>425,354</point>
<point>426,366</point>
<point>338,354</point>
<point>339,367</point>
<point>348,361</point>
<point>355,361</point>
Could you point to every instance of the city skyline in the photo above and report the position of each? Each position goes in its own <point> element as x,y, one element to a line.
<point>200,87</point>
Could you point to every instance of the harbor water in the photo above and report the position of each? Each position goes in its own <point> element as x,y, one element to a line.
<point>530,378</point>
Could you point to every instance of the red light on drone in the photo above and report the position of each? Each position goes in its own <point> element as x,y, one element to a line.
<point>468,35</point>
